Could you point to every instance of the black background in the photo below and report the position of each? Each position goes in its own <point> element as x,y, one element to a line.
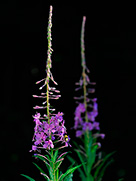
<point>110,40</point>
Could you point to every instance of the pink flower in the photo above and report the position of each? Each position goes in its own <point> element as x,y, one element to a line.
<point>45,133</point>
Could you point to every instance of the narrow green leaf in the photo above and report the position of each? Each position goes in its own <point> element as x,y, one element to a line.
<point>57,174</point>
<point>62,155</point>
<point>91,159</point>
<point>69,177</point>
<point>82,175</point>
<point>59,160</point>
<point>69,171</point>
<point>71,160</point>
<point>81,159</point>
<point>101,165</point>
<point>48,153</point>
<point>47,156</point>
<point>97,164</point>
<point>58,165</point>
<point>29,178</point>
<point>45,176</point>
<point>121,179</point>
<point>41,171</point>
<point>41,157</point>
<point>90,151</point>
<point>104,168</point>
<point>55,155</point>
<point>51,174</point>
<point>75,143</point>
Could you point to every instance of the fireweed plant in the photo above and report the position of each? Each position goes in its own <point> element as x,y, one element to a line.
<point>85,126</point>
<point>50,135</point>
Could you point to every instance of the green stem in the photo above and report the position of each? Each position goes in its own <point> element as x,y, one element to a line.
<point>84,89</point>
<point>48,65</point>
<point>84,65</point>
<point>47,93</point>
<point>53,166</point>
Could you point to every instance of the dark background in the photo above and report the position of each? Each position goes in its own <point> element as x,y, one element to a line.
<point>110,40</point>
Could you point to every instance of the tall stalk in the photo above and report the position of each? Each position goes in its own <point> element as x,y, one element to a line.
<point>83,65</point>
<point>86,136</point>
<point>48,66</point>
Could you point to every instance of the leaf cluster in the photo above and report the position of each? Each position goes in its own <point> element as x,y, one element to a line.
<point>93,168</point>
<point>53,162</point>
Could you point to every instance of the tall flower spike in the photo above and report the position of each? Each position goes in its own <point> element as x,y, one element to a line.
<point>87,106</point>
<point>48,127</point>
<point>85,114</point>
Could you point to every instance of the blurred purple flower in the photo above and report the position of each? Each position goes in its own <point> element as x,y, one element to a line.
<point>79,133</point>
<point>80,125</point>
<point>96,125</point>
<point>87,126</point>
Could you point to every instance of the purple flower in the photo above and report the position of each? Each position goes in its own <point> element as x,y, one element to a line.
<point>45,133</point>
<point>91,116</point>
<point>59,116</point>
<point>79,133</point>
<point>37,116</point>
<point>102,136</point>
<point>48,144</point>
<point>81,125</point>
<point>87,126</point>
<point>99,135</point>
<point>34,148</point>
<point>78,119</point>
<point>95,109</point>
<point>96,125</point>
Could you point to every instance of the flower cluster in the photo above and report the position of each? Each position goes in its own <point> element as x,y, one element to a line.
<point>84,118</point>
<point>80,125</point>
<point>46,134</point>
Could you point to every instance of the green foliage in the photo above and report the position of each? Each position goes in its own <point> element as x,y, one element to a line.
<point>55,156</point>
<point>121,179</point>
<point>88,159</point>
<point>68,172</point>
<point>53,162</point>
<point>41,171</point>
<point>81,159</point>
<point>82,173</point>
<point>29,178</point>
<point>69,177</point>
<point>90,150</point>
<point>101,168</point>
